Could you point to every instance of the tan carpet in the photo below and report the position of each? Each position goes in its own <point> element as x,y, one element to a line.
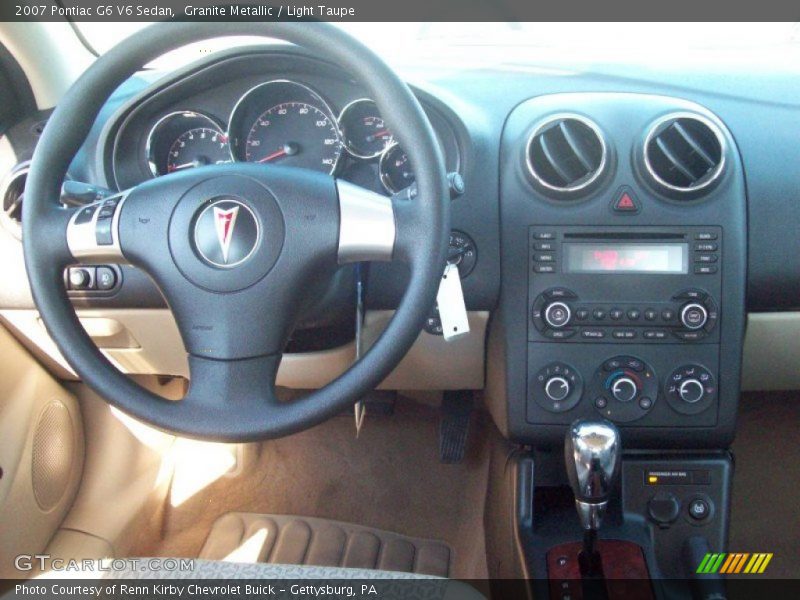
<point>765,515</point>
<point>389,478</point>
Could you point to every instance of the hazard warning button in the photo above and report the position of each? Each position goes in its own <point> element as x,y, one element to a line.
<point>625,201</point>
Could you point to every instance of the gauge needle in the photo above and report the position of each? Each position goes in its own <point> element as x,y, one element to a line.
<point>288,150</point>
<point>375,136</point>
<point>193,163</point>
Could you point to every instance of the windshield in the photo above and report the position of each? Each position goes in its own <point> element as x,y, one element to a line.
<point>415,44</point>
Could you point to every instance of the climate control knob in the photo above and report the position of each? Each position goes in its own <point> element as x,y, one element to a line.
<point>694,316</point>
<point>557,388</point>
<point>557,315</point>
<point>691,391</point>
<point>624,389</point>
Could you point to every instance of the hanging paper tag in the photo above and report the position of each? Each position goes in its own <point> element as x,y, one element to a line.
<point>452,311</point>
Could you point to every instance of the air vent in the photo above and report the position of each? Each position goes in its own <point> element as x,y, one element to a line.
<point>566,155</point>
<point>684,154</point>
<point>12,192</point>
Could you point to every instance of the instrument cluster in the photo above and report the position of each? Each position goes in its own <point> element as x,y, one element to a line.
<point>288,123</point>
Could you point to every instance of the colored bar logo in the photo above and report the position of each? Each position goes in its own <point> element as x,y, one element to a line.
<point>734,562</point>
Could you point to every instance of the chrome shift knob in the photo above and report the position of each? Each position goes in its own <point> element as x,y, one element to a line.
<point>592,451</point>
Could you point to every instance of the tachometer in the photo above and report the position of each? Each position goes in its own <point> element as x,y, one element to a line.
<point>185,139</point>
<point>364,132</point>
<point>286,123</point>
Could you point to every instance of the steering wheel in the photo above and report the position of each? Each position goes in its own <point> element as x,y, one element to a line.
<point>236,249</point>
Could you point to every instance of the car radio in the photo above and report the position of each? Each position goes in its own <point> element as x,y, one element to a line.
<point>631,285</point>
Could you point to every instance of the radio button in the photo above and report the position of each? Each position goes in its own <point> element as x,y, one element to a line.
<point>544,258</point>
<point>559,334</point>
<point>705,258</point>
<point>706,235</point>
<point>599,313</point>
<point>655,334</point>
<point>690,295</point>
<point>624,334</point>
<point>667,314</point>
<point>706,247</point>
<point>544,246</point>
<point>634,364</point>
<point>616,314</point>
<point>557,315</point>
<point>554,293</point>
<point>634,313</point>
<point>689,336</point>
<point>547,235</point>
<point>705,269</point>
<point>593,334</point>
<point>582,314</point>
<point>544,268</point>
<point>694,316</point>
<point>612,364</point>
<point>650,314</point>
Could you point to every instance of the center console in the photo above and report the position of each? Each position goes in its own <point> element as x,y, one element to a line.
<point>623,243</point>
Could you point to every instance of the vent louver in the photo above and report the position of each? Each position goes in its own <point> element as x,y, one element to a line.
<point>566,155</point>
<point>684,153</point>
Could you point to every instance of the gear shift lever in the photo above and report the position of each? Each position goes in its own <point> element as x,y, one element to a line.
<point>591,452</point>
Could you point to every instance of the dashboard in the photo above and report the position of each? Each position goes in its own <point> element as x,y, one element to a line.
<point>616,229</point>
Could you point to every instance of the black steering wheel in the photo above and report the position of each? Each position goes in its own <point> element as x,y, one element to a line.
<point>238,249</point>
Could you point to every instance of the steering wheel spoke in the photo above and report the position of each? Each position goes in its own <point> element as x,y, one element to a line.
<point>93,231</point>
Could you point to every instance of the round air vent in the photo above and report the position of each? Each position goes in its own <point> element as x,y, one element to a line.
<point>566,155</point>
<point>684,154</point>
<point>12,192</point>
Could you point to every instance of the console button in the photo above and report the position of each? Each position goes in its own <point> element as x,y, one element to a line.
<point>86,214</point>
<point>689,336</point>
<point>560,334</point>
<point>600,402</point>
<point>599,313</point>
<point>616,314</point>
<point>582,314</point>
<point>706,235</point>
<point>705,258</point>
<point>595,334</point>
<point>543,246</point>
<point>80,279</point>
<point>706,247</point>
<point>626,201</point>
<point>655,334</point>
<point>106,278</point>
<point>667,314</point>
<point>544,257</point>
<point>690,295</point>
<point>699,509</point>
<point>650,314</point>
<point>624,334</point>
<point>546,235</point>
<point>645,403</point>
<point>612,364</point>
<point>557,314</point>
<point>633,314</point>
<point>634,364</point>
<point>554,293</point>
<point>705,269</point>
<point>694,316</point>
<point>544,268</point>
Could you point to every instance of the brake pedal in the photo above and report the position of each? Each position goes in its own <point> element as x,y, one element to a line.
<point>454,425</point>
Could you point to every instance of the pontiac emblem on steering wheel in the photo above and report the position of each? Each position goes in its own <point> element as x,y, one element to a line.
<point>226,233</point>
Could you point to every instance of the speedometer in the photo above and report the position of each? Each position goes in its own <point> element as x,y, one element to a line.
<point>296,134</point>
<point>285,123</point>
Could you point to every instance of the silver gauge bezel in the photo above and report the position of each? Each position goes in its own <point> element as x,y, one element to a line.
<point>345,140</point>
<point>658,125</point>
<point>387,185</point>
<point>325,106</point>
<point>601,169</point>
<point>187,114</point>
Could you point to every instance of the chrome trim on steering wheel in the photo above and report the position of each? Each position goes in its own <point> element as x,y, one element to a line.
<point>367,228</point>
<point>82,237</point>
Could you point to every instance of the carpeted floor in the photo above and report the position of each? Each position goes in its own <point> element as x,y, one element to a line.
<point>765,515</point>
<point>389,478</point>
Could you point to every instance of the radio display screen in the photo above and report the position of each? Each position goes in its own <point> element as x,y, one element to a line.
<point>626,258</point>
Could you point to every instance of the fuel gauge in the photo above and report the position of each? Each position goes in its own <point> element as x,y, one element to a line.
<point>364,132</point>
